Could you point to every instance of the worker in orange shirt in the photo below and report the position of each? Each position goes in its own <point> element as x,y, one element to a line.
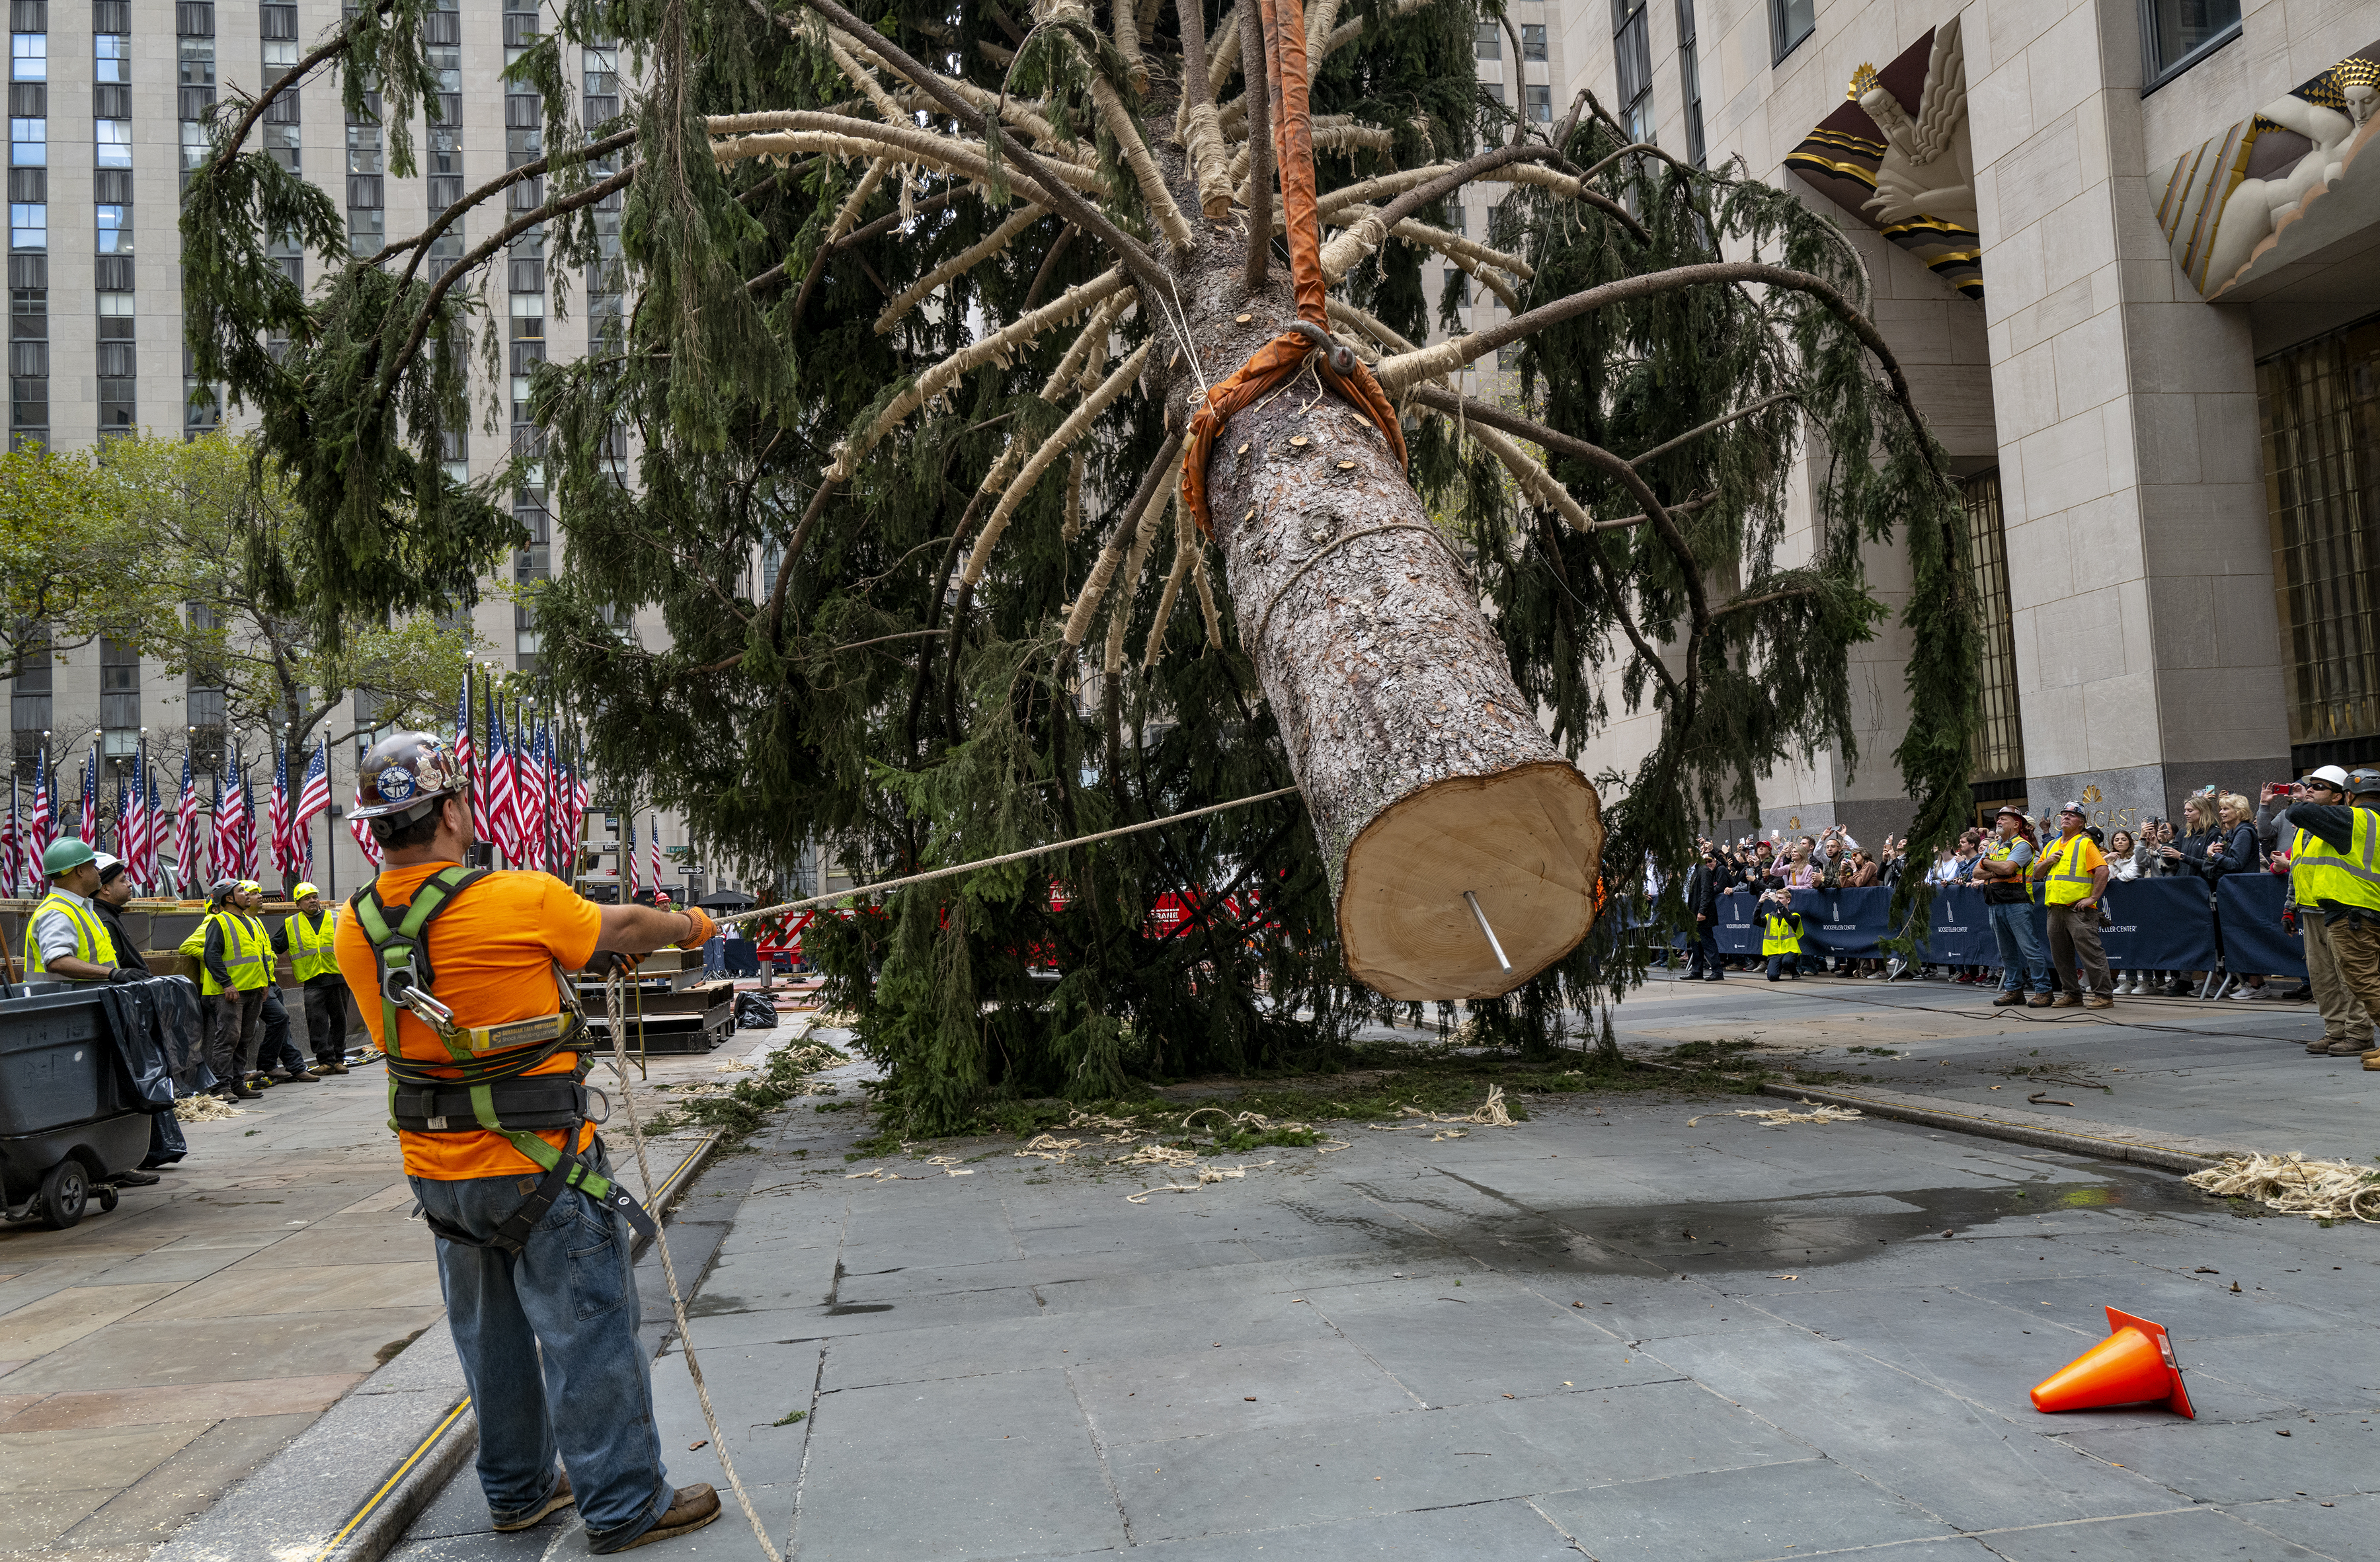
<point>462,976</point>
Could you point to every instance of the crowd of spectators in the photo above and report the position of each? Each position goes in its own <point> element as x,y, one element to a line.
<point>2219,833</point>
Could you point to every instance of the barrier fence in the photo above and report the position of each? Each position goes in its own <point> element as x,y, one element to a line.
<point>2155,925</point>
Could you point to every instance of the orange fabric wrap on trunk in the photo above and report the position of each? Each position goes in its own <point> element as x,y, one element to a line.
<point>1285,65</point>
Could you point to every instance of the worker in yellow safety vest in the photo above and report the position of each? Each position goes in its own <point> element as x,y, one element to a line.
<point>2345,1025</point>
<point>1780,934</point>
<point>2342,880</point>
<point>2072,873</point>
<point>235,968</point>
<point>305,937</point>
<point>65,939</point>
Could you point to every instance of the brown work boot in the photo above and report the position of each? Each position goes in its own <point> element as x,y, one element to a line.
<point>2066,1000</point>
<point>2347,1049</point>
<point>2039,1000</point>
<point>560,1497</point>
<point>2321,1043</point>
<point>2099,1000</point>
<point>690,1509</point>
<point>2371,1059</point>
<point>2007,999</point>
<point>334,1067</point>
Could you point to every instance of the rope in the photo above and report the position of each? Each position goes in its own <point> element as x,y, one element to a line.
<point>1286,354</point>
<point>614,986</point>
<point>2294,1185</point>
<point>1323,552</point>
<point>996,862</point>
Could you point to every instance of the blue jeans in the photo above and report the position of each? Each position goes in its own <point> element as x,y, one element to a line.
<point>1784,963</point>
<point>2022,954</point>
<point>570,1295</point>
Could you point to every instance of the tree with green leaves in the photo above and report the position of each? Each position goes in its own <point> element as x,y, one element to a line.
<point>69,559</point>
<point>215,522</point>
<point>944,323</point>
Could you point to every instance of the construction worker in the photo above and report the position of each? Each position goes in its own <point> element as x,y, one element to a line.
<point>165,1143</point>
<point>2344,1019</point>
<point>65,939</point>
<point>2072,873</point>
<point>278,1061</point>
<point>1781,933</point>
<point>2000,871</point>
<point>2342,880</point>
<point>305,937</point>
<point>462,975</point>
<point>232,962</point>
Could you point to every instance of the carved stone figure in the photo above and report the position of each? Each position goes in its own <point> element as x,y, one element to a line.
<point>1929,162</point>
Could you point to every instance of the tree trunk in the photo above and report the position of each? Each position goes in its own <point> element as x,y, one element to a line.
<point>1424,770</point>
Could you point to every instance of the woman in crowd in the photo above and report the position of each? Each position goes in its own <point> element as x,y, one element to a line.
<point>2124,866</point>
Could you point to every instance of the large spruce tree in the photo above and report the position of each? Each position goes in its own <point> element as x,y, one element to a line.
<point>923,300</point>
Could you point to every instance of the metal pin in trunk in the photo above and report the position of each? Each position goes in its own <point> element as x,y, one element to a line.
<point>1488,930</point>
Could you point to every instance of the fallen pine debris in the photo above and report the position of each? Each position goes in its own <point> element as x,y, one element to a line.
<point>1777,1117</point>
<point>2291,1184</point>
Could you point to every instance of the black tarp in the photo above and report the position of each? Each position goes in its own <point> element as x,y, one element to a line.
<point>156,1026</point>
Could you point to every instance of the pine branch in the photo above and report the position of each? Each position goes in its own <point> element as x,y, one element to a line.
<point>1087,601</point>
<point>1063,201</point>
<point>965,260</point>
<point>493,188</point>
<point>227,147</point>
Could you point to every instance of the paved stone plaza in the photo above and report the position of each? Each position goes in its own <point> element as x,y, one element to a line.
<point>1633,1327</point>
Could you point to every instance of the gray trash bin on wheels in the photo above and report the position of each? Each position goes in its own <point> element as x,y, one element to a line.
<point>72,1117</point>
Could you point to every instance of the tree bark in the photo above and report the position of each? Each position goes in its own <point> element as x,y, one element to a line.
<point>1424,771</point>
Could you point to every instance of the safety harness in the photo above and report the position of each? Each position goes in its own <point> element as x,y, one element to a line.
<point>481,1084</point>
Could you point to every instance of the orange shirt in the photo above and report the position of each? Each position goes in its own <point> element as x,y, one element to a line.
<point>493,952</point>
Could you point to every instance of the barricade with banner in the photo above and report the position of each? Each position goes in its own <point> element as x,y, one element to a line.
<point>2255,942</point>
<point>2154,925</point>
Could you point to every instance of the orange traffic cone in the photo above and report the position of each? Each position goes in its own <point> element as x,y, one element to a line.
<point>2134,1365</point>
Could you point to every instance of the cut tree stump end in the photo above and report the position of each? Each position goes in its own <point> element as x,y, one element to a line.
<point>1528,842</point>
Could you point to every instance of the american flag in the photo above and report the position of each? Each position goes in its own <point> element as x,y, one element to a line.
<point>503,824</point>
<point>251,868</point>
<point>628,851</point>
<point>137,826</point>
<point>313,801</point>
<point>361,829</point>
<point>464,751</point>
<point>87,809</point>
<point>657,856</point>
<point>187,845</point>
<point>222,842</point>
<point>43,831</point>
<point>12,851</point>
<point>528,795</point>
<point>285,851</point>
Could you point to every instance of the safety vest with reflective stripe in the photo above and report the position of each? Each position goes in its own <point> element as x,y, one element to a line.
<point>1781,933</point>
<point>2067,881</point>
<point>309,945</point>
<point>246,952</point>
<point>91,939</point>
<point>2320,872</point>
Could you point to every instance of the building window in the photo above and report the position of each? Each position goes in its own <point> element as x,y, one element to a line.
<point>1790,21</point>
<point>2320,409</point>
<point>29,56</point>
<point>1689,77</point>
<point>2177,34</point>
<point>1540,104</point>
<point>112,143</point>
<point>1490,43</point>
<point>29,697</point>
<point>1631,52</point>
<point>119,695</point>
<point>1533,42</point>
<point>29,226</point>
<point>28,143</point>
<point>1999,746</point>
<point>110,60</point>
<point>114,229</point>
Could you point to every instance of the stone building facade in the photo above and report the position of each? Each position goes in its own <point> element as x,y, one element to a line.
<point>2125,249</point>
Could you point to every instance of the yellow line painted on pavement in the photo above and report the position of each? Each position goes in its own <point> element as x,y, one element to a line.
<point>451,1416</point>
<point>389,1484</point>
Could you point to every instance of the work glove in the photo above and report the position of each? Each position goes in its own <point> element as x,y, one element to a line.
<point>704,928</point>
<point>122,973</point>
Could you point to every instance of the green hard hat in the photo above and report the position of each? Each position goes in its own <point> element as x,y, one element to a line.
<point>65,855</point>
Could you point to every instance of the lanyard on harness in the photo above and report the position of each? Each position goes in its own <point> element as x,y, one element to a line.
<point>478,1060</point>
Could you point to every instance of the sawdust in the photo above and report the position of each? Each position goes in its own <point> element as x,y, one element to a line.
<point>204,1108</point>
<point>2294,1185</point>
<point>1777,1117</point>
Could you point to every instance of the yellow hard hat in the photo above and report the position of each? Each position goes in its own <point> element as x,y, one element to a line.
<point>251,887</point>
<point>302,890</point>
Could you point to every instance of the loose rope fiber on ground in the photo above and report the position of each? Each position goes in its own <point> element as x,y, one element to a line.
<point>815,900</point>
<point>2294,1185</point>
<point>614,1004</point>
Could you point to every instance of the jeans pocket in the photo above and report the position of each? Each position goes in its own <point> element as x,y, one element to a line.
<point>597,1285</point>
